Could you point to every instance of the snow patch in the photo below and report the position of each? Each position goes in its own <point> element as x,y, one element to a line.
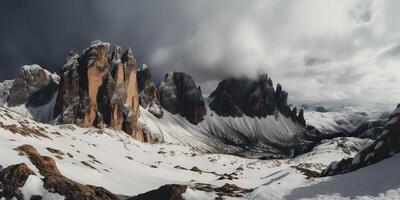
<point>34,186</point>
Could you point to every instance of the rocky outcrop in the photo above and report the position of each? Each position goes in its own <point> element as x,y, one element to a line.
<point>12,179</point>
<point>5,87</point>
<point>254,98</point>
<point>165,192</point>
<point>148,91</point>
<point>54,180</point>
<point>33,86</point>
<point>99,88</point>
<point>179,94</point>
<point>386,145</point>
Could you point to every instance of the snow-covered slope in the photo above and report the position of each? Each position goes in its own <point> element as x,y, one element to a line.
<point>253,137</point>
<point>113,160</point>
<point>344,119</point>
<point>367,183</point>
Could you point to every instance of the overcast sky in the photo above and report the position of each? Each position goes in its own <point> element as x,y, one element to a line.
<point>319,50</point>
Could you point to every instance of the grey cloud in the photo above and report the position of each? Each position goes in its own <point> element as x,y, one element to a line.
<point>393,52</point>
<point>211,40</point>
<point>313,60</point>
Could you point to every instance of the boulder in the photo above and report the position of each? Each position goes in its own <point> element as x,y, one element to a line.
<point>179,94</point>
<point>99,88</point>
<point>12,179</point>
<point>165,192</point>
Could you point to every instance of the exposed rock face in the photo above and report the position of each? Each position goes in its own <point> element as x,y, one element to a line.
<point>5,87</point>
<point>384,146</point>
<point>255,98</point>
<point>148,91</point>
<point>60,184</point>
<point>34,86</point>
<point>178,93</point>
<point>166,192</point>
<point>12,179</point>
<point>99,88</point>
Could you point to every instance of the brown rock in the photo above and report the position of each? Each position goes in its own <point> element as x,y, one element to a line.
<point>60,184</point>
<point>12,179</point>
<point>99,88</point>
<point>166,192</point>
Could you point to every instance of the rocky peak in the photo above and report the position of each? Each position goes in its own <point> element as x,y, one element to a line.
<point>148,91</point>
<point>179,94</point>
<point>252,97</point>
<point>34,86</point>
<point>5,87</point>
<point>100,88</point>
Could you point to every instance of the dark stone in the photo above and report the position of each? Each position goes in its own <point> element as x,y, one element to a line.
<point>36,197</point>
<point>44,95</point>
<point>148,92</point>
<point>166,192</point>
<point>254,98</point>
<point>179,94</point>
<point>34,86</point>
<point>300,118</point>
<point>12,179</point>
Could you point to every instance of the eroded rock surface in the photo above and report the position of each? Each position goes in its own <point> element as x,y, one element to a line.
<point>148,91</point>
<point>254,98</point>
<point>179,94</point>
<point>33,86</point>
<point>166,192</point>
<point>12,179</point>
<point>60,184</point>
<point>99,88</point>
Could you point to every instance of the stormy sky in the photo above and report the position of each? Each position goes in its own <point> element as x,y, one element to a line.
<point>319,50</point>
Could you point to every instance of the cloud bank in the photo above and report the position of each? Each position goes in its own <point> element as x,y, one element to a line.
<point>320,51</point>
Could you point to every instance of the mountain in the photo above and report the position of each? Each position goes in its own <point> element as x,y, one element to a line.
<point>68,161</point>
<point>103,129</point>
<point>103,87</point>
<point>99,87</point>
<point>386,145</point>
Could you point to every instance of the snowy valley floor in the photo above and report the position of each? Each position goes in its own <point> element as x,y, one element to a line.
<point>113,160</point>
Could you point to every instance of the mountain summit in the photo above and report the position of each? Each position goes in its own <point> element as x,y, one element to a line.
<point>103,87</point>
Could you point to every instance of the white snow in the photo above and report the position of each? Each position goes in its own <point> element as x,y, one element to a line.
<point>196,194</point>
<point>378,181</point>
<point>34,186</point>
<point>204,136</point>
<point>127,167</point>
<point>42,113</point>
<point>340,118</point>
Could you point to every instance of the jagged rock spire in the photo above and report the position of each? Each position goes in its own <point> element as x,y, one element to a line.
<point>99,88</point>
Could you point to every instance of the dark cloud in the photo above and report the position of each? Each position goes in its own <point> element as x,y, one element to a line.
<point>44,32</point>
<point>307,46</point>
